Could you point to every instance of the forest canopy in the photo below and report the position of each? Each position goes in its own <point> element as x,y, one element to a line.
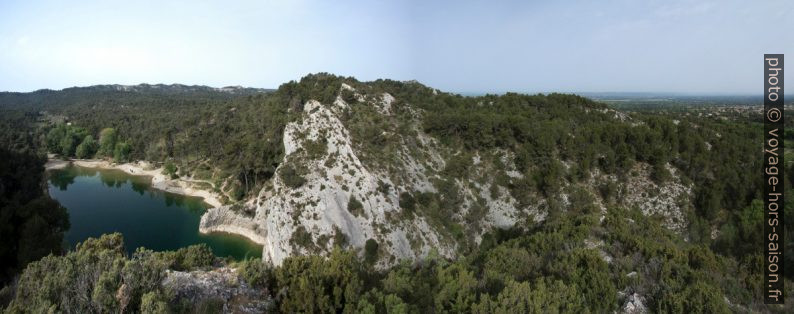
<point>555,141</point>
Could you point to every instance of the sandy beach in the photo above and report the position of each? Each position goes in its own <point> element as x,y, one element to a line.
<point>141,168</point>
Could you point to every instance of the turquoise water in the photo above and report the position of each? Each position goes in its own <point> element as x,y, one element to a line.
<point>106,201</point>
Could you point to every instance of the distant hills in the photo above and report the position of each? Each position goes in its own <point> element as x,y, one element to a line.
<point>178,88</point>
<point>153,88</point>
<point>431,190</point>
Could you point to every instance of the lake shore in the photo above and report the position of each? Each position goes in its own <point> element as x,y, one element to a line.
<point>217,218</point>
<point>142,168</point>
<point>223,219</point>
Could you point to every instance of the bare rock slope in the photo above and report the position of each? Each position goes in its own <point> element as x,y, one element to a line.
<point>331,189</point>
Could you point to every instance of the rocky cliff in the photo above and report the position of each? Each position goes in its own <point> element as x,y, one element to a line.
<point>361,168</point>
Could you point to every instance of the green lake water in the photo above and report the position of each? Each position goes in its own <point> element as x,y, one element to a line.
<point>105,201</point>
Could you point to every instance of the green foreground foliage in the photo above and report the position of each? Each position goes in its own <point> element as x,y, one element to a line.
<point>31,223</point>
<point>547,268</point>
<point>98,277</point>
<point>556,142</point>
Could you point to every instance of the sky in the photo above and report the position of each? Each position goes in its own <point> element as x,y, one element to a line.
<point>678,46</point>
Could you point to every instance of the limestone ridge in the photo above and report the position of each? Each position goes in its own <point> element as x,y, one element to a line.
<point>333,188</point>
<point>334,180</point>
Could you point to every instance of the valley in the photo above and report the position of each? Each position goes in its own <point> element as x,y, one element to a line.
<point>373,185</point>
<point>396,157</point>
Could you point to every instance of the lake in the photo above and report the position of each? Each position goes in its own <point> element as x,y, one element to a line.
<point>104,201</point>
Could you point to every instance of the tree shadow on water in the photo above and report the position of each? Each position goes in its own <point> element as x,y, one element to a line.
<point>61,179</point>
<point>169,200</point>
<point>112,180</point>
<point>195,206</point>
<point>139,187</point>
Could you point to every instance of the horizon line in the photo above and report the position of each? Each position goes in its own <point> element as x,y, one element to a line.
<point>462,93</point>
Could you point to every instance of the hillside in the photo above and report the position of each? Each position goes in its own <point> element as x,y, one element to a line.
<point>373,167</point>
<point>487,194</point>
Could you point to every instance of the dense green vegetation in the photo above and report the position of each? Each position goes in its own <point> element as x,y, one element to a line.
<point>88,279</point>
<point>561,140</point>
<point>31,224</point>
<point>540,269</point>
<point>555,142</point>
<point>70,141</point>
<point>212,135</point>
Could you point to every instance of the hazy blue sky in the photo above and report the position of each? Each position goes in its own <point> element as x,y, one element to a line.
<point>460,46</point>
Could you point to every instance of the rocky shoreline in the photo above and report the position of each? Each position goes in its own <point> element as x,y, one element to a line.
<point>218,218</point>
<point>223,219</point>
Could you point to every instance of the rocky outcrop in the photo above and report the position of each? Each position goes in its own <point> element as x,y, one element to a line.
<point>222,285</point>
<point>666,200</point>
<point>223,219</point>
<point>635,304</point>
<point>331,190</point>
<point>311,218</point>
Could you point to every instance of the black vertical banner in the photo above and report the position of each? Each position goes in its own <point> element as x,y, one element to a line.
<point>774,167</point>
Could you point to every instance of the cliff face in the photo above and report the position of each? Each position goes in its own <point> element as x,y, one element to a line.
<point>335,187</point>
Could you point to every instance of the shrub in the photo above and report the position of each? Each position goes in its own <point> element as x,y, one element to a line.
<point>458,166</point>
<point>407,202</point>
<point>122,152</point>
<point>660,174</point>
<point>302,238</point>
<point>384,187</point>
<point>291,177</point>
<point>87,148</point>
<point>315,148</point>
<point>256,273</point>
<point>192,257</point>
<point>107,142</point>
<point>154,302</point>
<point>355,207</point>
<point>340,239</point>
<point>371,251</point>
<point>315,284</point>
<point>209,306</point>
<point>582,201</point>
<point>608,190</point>
<point>170,169</point>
